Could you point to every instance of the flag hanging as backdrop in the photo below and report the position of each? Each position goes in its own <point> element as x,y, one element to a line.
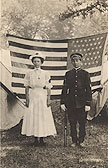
<point>57,60</point>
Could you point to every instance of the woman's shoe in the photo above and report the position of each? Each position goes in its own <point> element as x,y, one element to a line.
<point>36,142</point>
<point>42,144</point>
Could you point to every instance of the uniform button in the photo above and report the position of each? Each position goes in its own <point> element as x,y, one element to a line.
<point>75,85</point>
<point>76,76</point>
<point>75,90</point>
<point>75,95</point>
<point>76,80</point>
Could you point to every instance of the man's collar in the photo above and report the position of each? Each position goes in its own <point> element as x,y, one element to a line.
<point>76,69</point>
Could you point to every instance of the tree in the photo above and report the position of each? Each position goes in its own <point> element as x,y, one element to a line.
<point>84,8</point>
<point>44,19</point>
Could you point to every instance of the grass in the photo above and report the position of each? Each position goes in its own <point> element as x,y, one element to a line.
<point>17,153</point>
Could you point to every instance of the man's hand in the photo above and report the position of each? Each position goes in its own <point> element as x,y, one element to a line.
<point>63,107</point>
<point>87,108</point>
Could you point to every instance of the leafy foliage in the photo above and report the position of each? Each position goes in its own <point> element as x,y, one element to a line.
<point>84,9</point>
<point>46,19</point>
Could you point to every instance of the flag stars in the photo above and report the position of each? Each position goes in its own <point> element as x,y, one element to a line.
<point>99,42</point>
<point>91,44</point>
<point>97,38</point>
<point>101,38</point>
<point>75,46</point>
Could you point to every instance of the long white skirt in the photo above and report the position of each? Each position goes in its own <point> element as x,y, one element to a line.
<point>38,120</point>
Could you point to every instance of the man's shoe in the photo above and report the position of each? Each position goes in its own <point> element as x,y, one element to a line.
<point>73,145</point>
<point>43,144</point>
<point>80,145</point>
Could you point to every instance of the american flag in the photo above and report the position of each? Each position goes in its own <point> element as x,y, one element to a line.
<point>57,60</point>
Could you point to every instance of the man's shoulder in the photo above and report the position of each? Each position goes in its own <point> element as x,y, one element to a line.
<point>84,71</point>
<point>69,72</point>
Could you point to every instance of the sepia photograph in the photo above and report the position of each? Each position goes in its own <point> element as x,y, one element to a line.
<point>54,84</point>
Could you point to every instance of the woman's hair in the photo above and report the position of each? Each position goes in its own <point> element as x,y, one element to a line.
<point>42,60</point>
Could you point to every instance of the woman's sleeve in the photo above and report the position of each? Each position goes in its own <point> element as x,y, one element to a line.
<point>48,81</point>
<point>27,80</point>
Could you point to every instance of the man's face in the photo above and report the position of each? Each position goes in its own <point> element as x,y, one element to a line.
<point>76,62</point>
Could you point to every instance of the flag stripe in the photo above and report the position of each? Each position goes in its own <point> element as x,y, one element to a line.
<point>46,63</point>
<point>26,56</point>
<point>59,86</point>
<point>13,37</point>
<point>15,64</point>
<point>19,45</point>
<point>30,52</point>
<point>55,81</point>
<point>54,91</point>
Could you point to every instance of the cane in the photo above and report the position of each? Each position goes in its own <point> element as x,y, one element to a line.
<point>65,128</point>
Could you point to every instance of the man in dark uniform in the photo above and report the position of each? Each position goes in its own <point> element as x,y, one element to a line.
<point>76,98</point>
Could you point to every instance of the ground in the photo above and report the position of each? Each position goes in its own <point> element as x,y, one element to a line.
<point>17,153</point>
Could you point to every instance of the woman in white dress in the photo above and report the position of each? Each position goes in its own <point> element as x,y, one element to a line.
<point>38,120</point>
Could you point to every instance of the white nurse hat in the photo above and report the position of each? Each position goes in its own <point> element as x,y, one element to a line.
<point>38,55</point>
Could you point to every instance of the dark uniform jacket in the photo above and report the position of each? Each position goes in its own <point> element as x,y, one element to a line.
<point>76,90</point>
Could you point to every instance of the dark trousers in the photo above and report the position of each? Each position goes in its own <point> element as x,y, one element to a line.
<point>77,115</point>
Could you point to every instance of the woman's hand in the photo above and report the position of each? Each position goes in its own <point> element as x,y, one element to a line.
<point>48,101</point>
<point>27,96</point>
<point>27,102</point>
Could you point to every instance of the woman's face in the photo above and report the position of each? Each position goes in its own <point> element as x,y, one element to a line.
<point>37,62</point>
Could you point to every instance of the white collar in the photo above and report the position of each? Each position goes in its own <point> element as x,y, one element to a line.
<point>77,68</point>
